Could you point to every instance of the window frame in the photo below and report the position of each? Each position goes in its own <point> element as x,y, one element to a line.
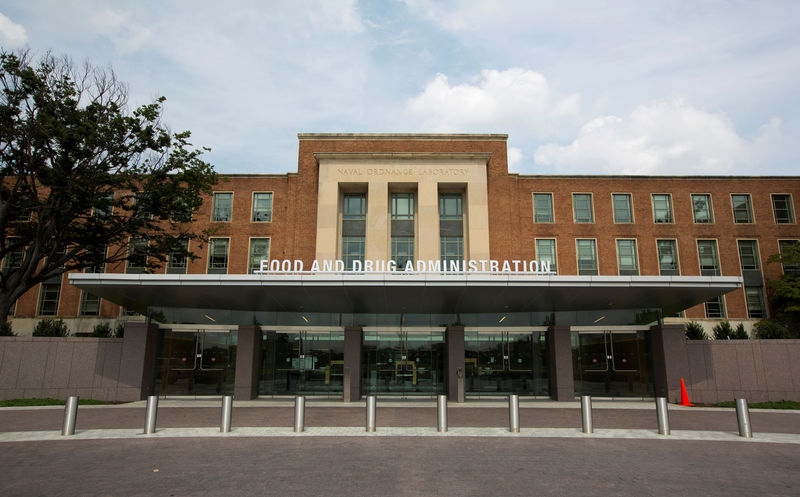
<point>790,208</point>
<point>671,208</point>
<point>751,212</point>
<point>552,208</point>
<point>227,255</point>
<point>451,217</point>
<point>676,256</point>
<point>131,249</point>
<point>637,267</point>
<point>554,263</point>
<point>40,300</point>
<point>756,254</point>
<point>361,216</point>
<point>630,207</point>
<point>716,254</point>
<point>250,252</point>
<point>214,206</point>
<point>596,257</point>
<point>710,207</point>
<point>168,266</point>
<point>83,301</point>
<point>591,208</point>
<point>402,217</point>
<point>253,206</point>
<point>792,270</point>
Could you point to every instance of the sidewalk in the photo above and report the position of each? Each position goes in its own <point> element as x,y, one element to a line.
<point>323,417</point>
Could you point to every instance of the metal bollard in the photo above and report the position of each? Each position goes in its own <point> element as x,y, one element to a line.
<point>299,414</point>
<point>662,413</point>
<point>743,416</point>
<point>227,407</point>
<point>150,415</point>
<point>586,413</point>
<point>370,413</point>
<point>441,411</point>
<point>70,415</point>
<point>513,413</point>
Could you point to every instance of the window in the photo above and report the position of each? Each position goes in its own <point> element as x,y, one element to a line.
<point>218,256</point>
<point>450,207</point>
<point>177,260</point>
<point>452,249</point>
<point>104,207</point>
<point>402,206</point>
<point>626,257</point>
<point>748,255</point>
<point>259,250</point>
<point>742,209</point>
<point>789,268</point>
<point>582,207</point>
<point>662,208</point>
<point>15,256</point>
<point>354,207</point>
<point>668,258</point>
<point>782,207</point>
<point>137,256</point>
<point>546,252</point>
<point>49,293</point>
<point>100,267</point>
<point>701,205</point>
<point>352,250</point>
<point>709,260</point>
<point>754,297</point>
<point>623,212</point>
<point>222,209</point>
<point>402,250</point>
<point>262,207</point>
<point>90,304</point>
<point>587,257</point>
<point>141,206</point>
<point>715,308</point>
<point>542,207</point>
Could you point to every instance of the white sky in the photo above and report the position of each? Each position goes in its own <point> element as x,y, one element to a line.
<point>625,87</point>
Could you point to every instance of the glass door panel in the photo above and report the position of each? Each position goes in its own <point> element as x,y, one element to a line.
<point>403,363</point>
<point>196,363</point>
<point>612,364</point>
<point>506,362</point>
<point>309,362</point>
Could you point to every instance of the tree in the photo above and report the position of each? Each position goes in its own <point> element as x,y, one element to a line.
<point>83,177</point>
<point>785,294</point>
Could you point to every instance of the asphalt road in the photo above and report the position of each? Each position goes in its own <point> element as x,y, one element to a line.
<point>397,467</point>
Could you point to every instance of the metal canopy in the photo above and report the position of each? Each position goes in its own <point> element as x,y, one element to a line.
<point>406,293</point>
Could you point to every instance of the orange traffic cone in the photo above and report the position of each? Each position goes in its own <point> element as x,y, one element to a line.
<point>684,395</point>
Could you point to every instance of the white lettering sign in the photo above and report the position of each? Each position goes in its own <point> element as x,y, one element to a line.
<point>420,267</point>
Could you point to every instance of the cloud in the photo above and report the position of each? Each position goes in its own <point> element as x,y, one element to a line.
<point>12,35</point>
<point>666,137</point>
<point>514,158</point>
<point>514,100</point>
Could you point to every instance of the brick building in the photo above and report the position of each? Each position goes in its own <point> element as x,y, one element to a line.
<point>619,261</point>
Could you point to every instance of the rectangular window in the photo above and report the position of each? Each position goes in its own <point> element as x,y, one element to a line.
<point>137,256</point>
<point>90,304</point>
<point>352,250</point>
<point>450,208</point>
<point>587,257</point>
<point>48,297</point>
<point>402,206</point>
<point>782,207</point>
<point>177,260</point>
<point>259,251</point>
<point>582,207</point>
<point>104,207</point>
<point>626,258</point>
<point>354,207</point>
<point>668,258</point>
<point>623,211</point>
<point>452,249</point>
<point>662,208</point>
<point>701,205</point>
<point>709,259</point>
<point>546,252</point>
<point>715,308</point>
<point>754,297</point>
<point>542,207</point>
<point>141,206</point>
<point>789,268</point>
<point>402,250</point>
<point>15,256</point>
<point>100,267</point>
<point>748,255</point>
<point>262,207</point>
<point>218,256</point>
<point>222,210</point>
<point>742,209</point>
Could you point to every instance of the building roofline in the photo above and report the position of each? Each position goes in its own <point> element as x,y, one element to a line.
<point>481,156</point>
<point>403,136</point>
<point>648,177</point>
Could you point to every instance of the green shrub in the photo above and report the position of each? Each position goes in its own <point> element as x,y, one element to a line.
<point>5,330</point>
<point>101,330</point>
<point>739,333</point>
<point>695,331</point>
<point>119,330</point>
<point>723,331</point>
<point>769,329</point>
<point>51,328</point>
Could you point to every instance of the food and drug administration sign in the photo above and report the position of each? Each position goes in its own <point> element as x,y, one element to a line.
<point>390,266</point>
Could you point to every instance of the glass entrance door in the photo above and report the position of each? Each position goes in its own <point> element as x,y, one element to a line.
<point>503,362</point>
<point>196,363</point>
<point>611,363</point>
<point>309,362</point>
<point>403,363</point>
